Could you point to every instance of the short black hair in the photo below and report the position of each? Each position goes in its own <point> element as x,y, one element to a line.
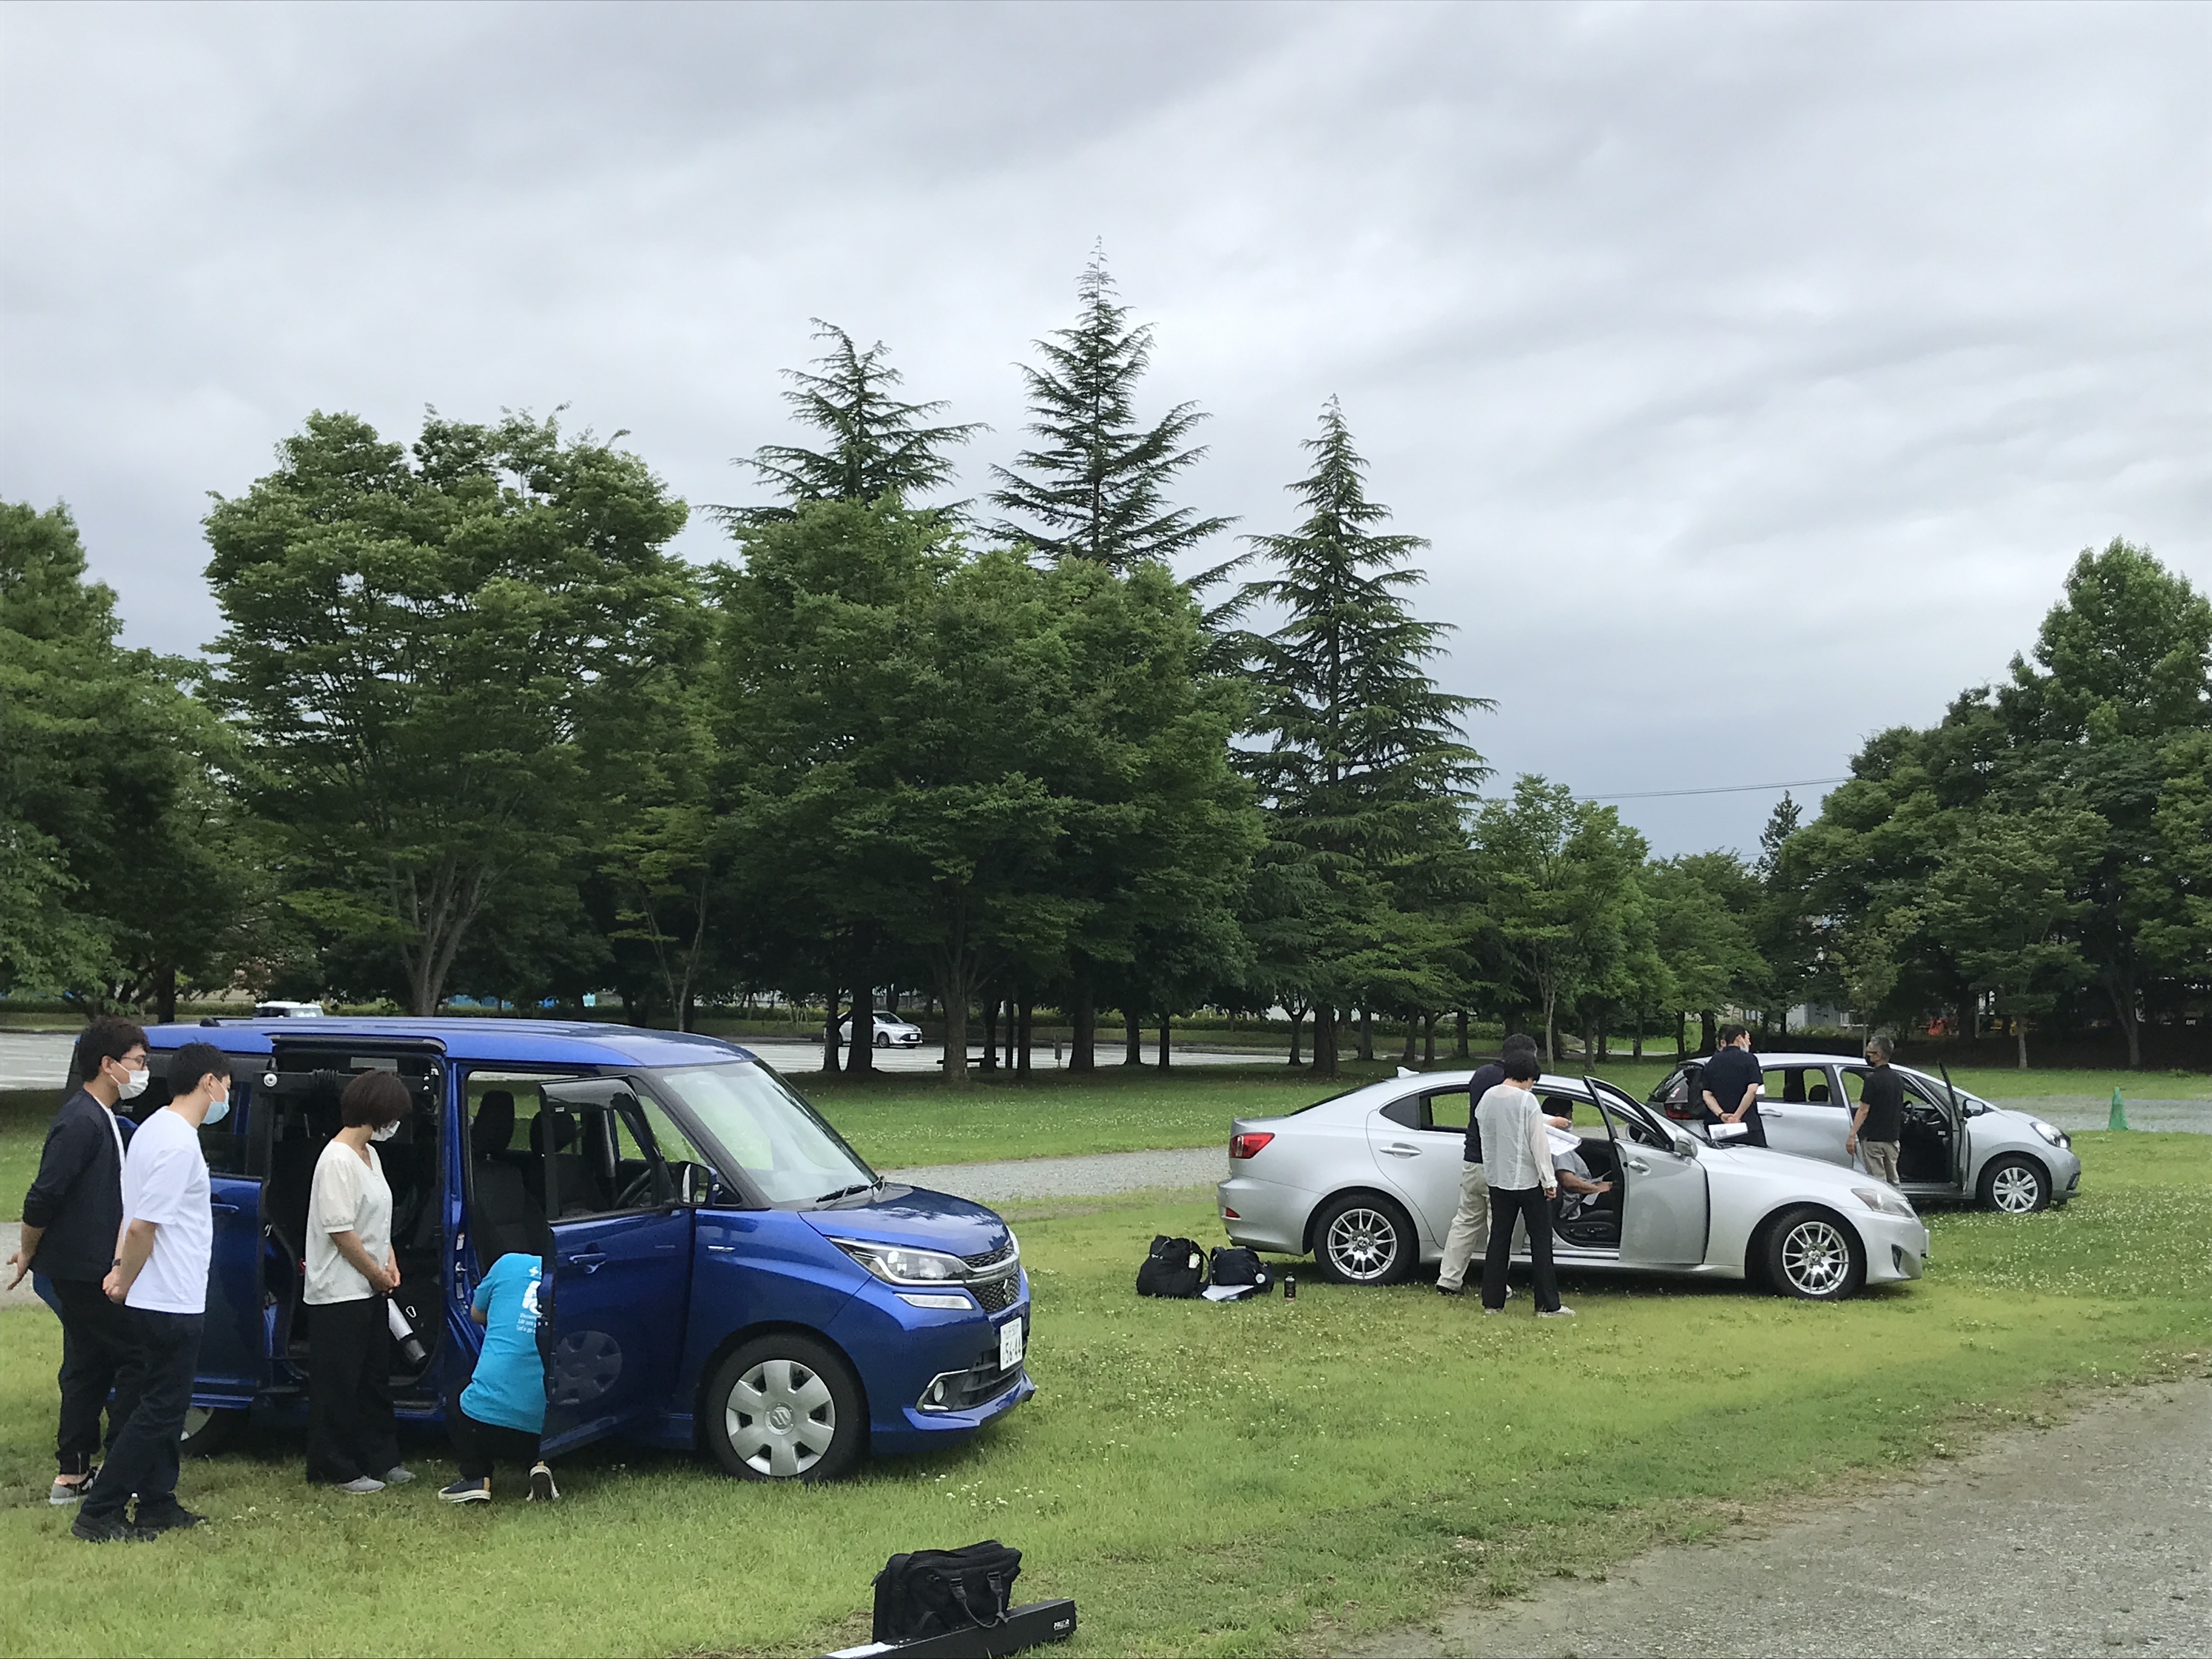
<point>1730,1033</point>
<point>1519,1043</point>
<point>375,1099</point>
<point>1521,1066</point>
<point>1563,1104</point>
<point>107,1038</point>
<point>194,1062</point>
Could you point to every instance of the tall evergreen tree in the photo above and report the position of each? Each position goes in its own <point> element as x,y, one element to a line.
<point>1364,769</point>
<point>1096,488</point>
<point>880,444</point>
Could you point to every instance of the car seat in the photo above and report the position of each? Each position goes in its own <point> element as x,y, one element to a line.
<point>504,1212</point>
<point>573,1193</point>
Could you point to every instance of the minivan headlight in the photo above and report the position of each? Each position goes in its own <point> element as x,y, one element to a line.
<point>2050,1131</point>
<point>1885,1199</point>
<point>895,1264</point>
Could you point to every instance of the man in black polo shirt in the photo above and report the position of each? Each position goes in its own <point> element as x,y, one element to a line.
<point>1470,1227</point>
<point>72,1216</point>
<point>1878,1124</point>
<point>1731,1087</point>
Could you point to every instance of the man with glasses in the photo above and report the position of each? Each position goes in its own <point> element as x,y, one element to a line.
<point>71,1216</point>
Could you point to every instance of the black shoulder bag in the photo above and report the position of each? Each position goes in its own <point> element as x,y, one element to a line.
<point>931,1592</point>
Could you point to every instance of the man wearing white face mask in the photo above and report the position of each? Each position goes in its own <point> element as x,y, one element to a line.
<point>161,1277</point>
<point>72,1216</point>
<point>351,1271</point>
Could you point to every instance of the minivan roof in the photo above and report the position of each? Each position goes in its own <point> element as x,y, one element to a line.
<point>550,1041</point>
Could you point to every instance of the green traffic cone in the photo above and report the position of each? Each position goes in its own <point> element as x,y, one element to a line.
<point>2119,1112</point>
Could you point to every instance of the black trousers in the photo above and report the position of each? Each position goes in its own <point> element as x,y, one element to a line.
<point>98,1338</point>
<point>1507,1206</point>
<point>477,1445</point>
<point>158,1382</point>
<point>349,1427</point>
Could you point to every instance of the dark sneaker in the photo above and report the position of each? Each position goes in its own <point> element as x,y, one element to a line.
<point>108,1529</point>
<point>1443,1289</point>
<point>467,1491</point>
<point>171,1516</point>
<point>542,1489</point>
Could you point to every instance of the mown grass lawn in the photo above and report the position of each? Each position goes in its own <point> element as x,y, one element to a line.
<point>1255,1478</point>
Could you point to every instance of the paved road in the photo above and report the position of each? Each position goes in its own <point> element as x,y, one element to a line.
<point>1072,1177</point>
<point>2093,1537</point>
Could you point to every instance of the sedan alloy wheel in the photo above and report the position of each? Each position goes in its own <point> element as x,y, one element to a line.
<point>1361,1239</point>
<point>1813,1256</point>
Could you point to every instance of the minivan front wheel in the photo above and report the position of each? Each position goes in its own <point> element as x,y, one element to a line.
<point>785,1407</point>
<point>207,1429</point>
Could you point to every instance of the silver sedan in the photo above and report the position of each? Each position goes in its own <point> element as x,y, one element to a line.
<point>1368,1182</point>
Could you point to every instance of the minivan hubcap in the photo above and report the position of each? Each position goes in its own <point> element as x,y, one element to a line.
<point>1361,1243</point>
<point>2014,1189</point>
<point>1815,1257</point>
<point>780,1417</point>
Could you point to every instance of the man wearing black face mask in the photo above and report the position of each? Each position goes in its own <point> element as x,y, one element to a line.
<point>160,1277</point>
<point>71,1216</point>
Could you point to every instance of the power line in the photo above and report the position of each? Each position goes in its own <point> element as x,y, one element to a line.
<point>1722,789</point>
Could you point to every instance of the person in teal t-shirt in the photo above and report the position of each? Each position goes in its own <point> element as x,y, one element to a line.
<point>501,1412</point>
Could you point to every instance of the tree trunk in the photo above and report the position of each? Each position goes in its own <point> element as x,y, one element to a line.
<point>165,995</point>
<point>1324,1051</point>
<point>1133,1039</point>
<point>1709,1030</point>
<point>990,1062</point>
<point>2019,1035</point>
<point>1166,1021</point>
<point>829,1035</point>
<point>1412,1036</point>
<point>863,1054</point>
<point>1681,1033</point>
<point>1636,1051</point>
<point>1022,1043</point>
<point>1459,1041</point>
<point>1428,1039</point>
<point>1082,1052</point>
<point>2123,995</point>
<point>1297,1018</point>
<point>952,989</point>
<point>1366,1034</point>
<point>1604,1031</point>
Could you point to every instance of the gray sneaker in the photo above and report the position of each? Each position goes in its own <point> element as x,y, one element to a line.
<point>362,1485</point>
<point>66,1492</point>
<point>1561,1312</point>
<point>397,1476</point>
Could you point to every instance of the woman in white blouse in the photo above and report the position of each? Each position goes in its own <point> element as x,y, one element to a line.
<point>351,1441</point>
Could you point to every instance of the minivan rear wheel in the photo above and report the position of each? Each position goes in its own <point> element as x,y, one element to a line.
<point>1363,1238</point>
<point>785,1407</point>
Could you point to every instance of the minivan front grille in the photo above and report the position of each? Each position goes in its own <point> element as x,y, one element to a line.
<point>990,1258</point>
<point>997,1295</point>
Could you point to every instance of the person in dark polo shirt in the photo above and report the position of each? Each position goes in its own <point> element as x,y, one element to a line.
<point>1731,1086</point>
<point>1878,1122</point>
<point>72,1215</point>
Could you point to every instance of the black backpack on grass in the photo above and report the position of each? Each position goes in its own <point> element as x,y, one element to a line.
<point>1175,1266</point>
<point>1235,1267</point>
<point>932,1592</point>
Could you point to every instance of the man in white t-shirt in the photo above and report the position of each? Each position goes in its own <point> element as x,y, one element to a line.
<point>160,1276</point>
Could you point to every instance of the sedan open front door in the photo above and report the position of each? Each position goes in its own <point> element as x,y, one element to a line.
<point>1664,1209</point>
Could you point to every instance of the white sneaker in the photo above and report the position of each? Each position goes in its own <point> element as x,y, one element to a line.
<point>397,1476</point>
<point>1561,1312</point>
<point>542,1489</point>
<point>362,1485</point>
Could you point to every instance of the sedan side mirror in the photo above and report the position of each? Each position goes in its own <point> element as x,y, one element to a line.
<point>1685,1145</point>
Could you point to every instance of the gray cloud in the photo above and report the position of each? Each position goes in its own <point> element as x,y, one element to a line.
<point>1755,370</point>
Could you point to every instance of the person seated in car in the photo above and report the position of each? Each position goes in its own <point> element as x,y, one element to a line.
<point>501,1412</point>
<point>1577,1185</point>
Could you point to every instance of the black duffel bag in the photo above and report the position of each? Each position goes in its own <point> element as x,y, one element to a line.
<point>1236,1268</point>
<point>931,1592</point>
<point>1174,1267</point>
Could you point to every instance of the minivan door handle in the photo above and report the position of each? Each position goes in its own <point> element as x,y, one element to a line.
<point>222,1209</point>
<point>591,1259</point>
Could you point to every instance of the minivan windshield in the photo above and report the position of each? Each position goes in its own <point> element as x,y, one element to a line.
<point>761,1127</point>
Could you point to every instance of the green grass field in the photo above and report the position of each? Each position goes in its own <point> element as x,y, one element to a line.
<point>1259,1478</point>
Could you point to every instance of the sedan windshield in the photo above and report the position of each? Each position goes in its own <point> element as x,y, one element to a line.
<point>764,1129</point>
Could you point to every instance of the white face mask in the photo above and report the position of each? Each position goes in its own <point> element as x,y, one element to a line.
<point>134,1084</point>
<point>385,1134</point>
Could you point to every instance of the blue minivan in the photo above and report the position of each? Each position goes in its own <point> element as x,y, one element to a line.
<point>722,1271</point>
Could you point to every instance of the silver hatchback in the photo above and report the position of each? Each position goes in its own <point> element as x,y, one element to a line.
<point>1368,1183</point>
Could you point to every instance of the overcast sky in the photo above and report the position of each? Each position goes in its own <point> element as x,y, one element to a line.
<point>1756,370</point>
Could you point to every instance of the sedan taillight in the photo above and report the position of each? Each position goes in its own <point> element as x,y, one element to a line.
<point>1248,1145</point>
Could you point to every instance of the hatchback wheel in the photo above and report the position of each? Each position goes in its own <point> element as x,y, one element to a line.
<point>883,1039</point>
<point>208,1431</point>
<point>2017,1186</point>
<point>1363,1238</point>
<point>1812,1255</point>
<point>785,1407</point>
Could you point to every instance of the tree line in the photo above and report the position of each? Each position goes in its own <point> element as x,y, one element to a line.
<point>470,728</point>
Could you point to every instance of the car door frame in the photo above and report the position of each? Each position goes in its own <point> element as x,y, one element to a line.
<point>1640,1167</point>
<point>581,1254</point>
<point>1410,1176</point>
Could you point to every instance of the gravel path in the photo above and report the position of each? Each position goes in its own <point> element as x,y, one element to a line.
<point>1071,1177</point>
<point>2093,1537</point>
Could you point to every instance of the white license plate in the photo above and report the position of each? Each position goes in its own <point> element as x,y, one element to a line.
<point>1010,1345</point>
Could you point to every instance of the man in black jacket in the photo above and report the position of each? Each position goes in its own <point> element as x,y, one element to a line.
<point>72,1216</point>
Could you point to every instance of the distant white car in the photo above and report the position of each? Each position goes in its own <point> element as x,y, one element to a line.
<point>891,1033</point>
<point>288,1011</point>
